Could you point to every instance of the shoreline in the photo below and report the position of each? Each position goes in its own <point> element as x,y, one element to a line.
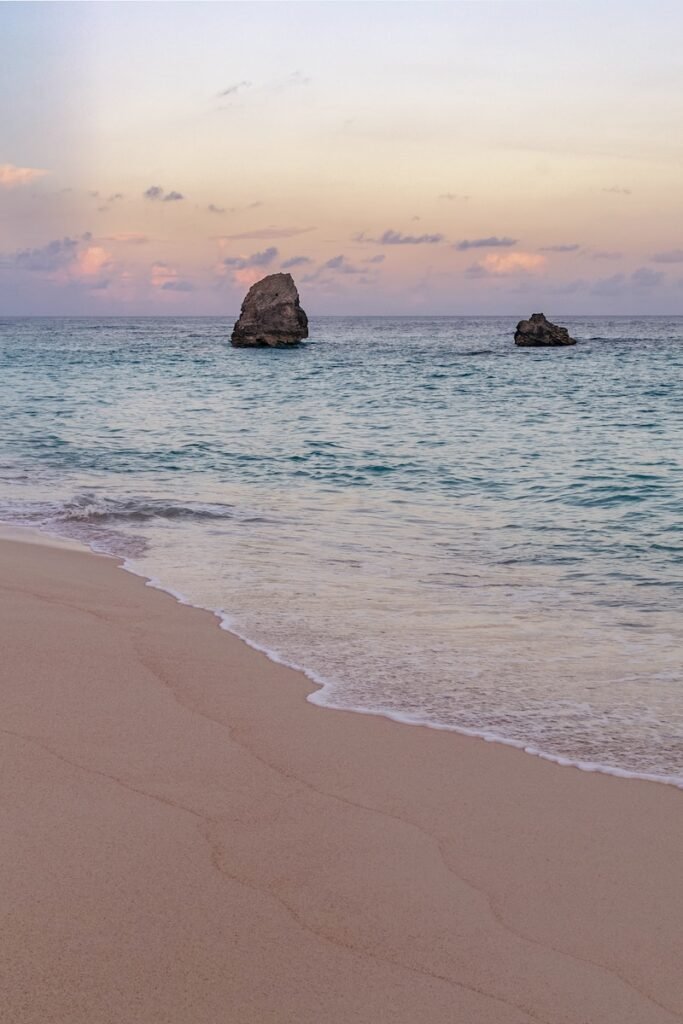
<point>32,534</point>
<point>189,840</point>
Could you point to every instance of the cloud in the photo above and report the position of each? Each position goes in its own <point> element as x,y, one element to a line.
<point>161,273</point>
<point>643,277</point>
<point>44,259</point>
<point>270,232</point>
<point>70,261</point>
<point>177,286</point>
<point>453,196</point>
<point>379,258</point>
<point>295,78</point>
<point>165,278</point>
<point>155,193</point>
<point>560,248</point>
<point>391,237</point>
<point>296,261</point>
<point>113,198</point>
<point>608,285</point>
<point>332,269</point>
<point>257,259</point>
<point>340,265</point>
<point>607,254</point>
<point>273,85</point>
<point>213,208</point>
<point>246,269</point>
<point>11,175</point>
<point>617,190</point>
<point>128,238</point>
<point>670,256</point>
<point>330,285</point>
<point>497,264</point>
<point>90,261</point>
<point>477,270</point>
<point>232,90</point>
<point>493,241</point>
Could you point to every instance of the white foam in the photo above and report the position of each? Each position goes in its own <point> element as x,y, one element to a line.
<point>322,695</point>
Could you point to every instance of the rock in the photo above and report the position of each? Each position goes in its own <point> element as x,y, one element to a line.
<point>537,332</point>
<point>271,315</point>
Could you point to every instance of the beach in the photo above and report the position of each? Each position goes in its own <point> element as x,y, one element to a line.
<point>187,839</point>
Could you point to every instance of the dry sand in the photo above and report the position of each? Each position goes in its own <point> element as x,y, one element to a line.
<point>186,839</point>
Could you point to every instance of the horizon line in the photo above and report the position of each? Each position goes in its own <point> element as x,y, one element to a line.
<point>332,316</point>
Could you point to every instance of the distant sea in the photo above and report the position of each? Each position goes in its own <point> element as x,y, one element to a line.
<point>433,524</point>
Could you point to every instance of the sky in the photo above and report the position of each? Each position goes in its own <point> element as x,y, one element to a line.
<point>397,158</point>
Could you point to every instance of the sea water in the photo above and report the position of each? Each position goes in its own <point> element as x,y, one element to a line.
<point>432,523</point>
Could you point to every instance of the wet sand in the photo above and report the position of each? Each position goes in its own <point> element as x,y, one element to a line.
<point>185,839</point>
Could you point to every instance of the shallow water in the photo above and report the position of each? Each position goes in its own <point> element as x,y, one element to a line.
<point>436,524</point>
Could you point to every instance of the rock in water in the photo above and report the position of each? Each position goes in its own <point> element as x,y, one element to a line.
<point>537,332</point>
<point>271,315</point>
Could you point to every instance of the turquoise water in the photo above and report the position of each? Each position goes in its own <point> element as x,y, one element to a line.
<point>431,522</point>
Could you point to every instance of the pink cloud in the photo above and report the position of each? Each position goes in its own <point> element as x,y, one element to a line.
<point>162,274</point>
<point>166,279</point>
<point>245,270</point>
<point>128,238</point>
<point>247,276</point>
<point>507,263</point>
<point>91,261</point>
<point>269,232</point>
<point>10,175</point>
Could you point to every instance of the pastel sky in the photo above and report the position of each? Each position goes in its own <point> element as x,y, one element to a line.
<point>407,158</point>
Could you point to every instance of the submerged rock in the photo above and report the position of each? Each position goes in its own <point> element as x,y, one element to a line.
<point>537,332</point>
<point>271,315</point>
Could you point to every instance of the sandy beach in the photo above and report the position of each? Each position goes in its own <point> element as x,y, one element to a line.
<point>186,839</point>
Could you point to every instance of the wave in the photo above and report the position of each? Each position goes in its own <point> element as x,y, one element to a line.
<point>92,511</point>
<point>89,508</point>
<point>104,523</point>
<point>324,690</point>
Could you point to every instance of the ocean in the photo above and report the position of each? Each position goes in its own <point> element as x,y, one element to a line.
<point>433,524</point>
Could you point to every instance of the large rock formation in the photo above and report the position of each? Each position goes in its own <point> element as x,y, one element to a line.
<point>271,315</point>
<point>537,332</point>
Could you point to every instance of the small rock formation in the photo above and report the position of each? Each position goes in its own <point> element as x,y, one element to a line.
<point>537,332</point>
<point>271,315</point>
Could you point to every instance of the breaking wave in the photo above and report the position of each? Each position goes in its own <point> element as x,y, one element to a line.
<point>89,508</point>
<point>104,523</point>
